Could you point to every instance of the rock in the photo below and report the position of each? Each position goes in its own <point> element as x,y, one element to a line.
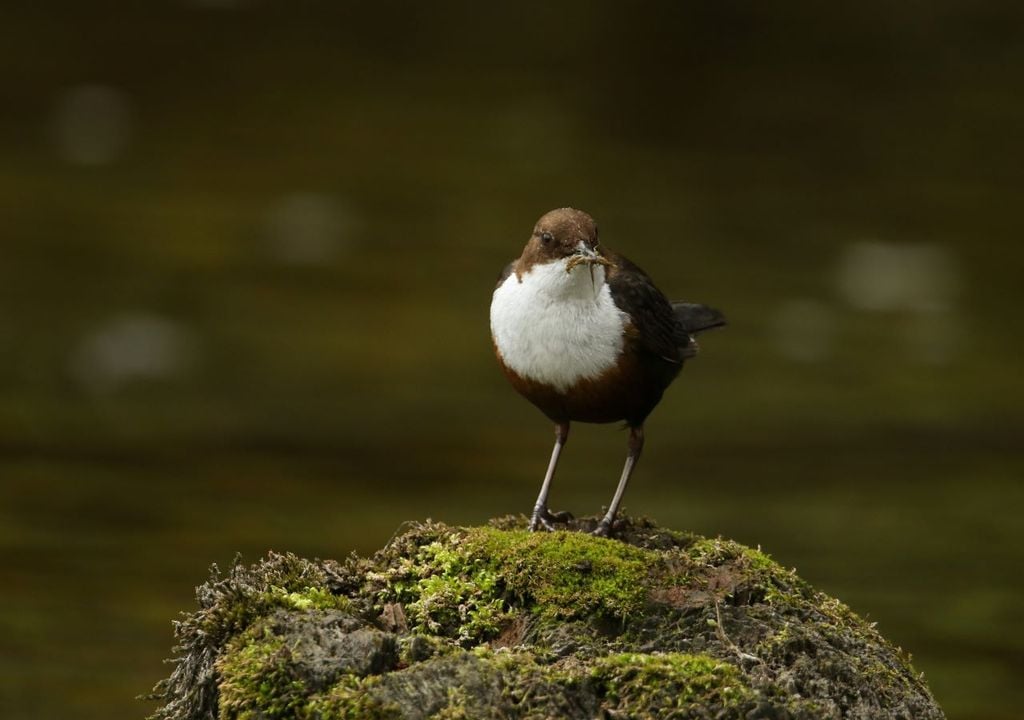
<point>496,622</point>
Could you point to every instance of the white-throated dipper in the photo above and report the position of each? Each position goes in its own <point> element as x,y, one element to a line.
<point>584,334</point>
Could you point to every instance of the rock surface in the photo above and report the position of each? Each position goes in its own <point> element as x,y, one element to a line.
<point>495,622</point>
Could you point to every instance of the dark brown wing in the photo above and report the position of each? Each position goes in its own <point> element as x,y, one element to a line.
<point>658,329</point>
<point>695,318</point>
<point>505,273</point>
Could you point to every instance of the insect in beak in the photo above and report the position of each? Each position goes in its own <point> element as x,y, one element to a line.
<point>589,257</point>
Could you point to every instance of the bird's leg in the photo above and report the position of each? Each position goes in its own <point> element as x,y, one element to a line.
<point>636,444</point>
<point>542,517</point>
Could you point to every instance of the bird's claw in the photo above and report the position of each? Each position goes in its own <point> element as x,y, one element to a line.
<point>538,522</point>
<point>544,519</point>
<point>560,516</point>
<point>603,529</point>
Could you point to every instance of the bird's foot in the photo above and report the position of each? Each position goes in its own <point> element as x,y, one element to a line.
<point>544,519</point>
<point>604,528</point>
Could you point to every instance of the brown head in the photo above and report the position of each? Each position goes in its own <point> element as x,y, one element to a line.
<point>559,234</point>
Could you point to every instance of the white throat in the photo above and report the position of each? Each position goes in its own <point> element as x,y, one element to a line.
<point>557,327</point>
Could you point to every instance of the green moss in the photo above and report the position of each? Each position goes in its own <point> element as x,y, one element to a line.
<point>467,585</point>
<point>447,591</point>
<point>568,574</point>
<point>254,666</point>
<point>718,551</point>
<point>662,682</point>
<point>550,597</point>
<point>257,678</point>
<point>761,577</point>
<point>348,699</point>
<point>416,647</point>
<point>280,580</point>
<point>308,598</point>
<point>538,688</point>
<point>455,709</point>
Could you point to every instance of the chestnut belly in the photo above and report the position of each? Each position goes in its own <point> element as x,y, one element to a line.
<point>628,391</point>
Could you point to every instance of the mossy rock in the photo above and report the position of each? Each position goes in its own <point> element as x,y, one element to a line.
<point>496,622</point>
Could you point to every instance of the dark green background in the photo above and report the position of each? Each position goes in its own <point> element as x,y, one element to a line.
<point>248,250</point>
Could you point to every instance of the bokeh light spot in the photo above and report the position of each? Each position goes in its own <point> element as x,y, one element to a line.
<point>881,276</point>
<point>92,124</point>
<point>132,347</point>
<point>308,228</point>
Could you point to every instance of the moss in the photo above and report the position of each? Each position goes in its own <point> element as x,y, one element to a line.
<point>348,699</point>
<point>660,683</point>
<point>417,647</point>
<point>250,593</point>
<point>257,678</point>
<point>718,551</point>
<point>566,575</point>
<point>468,585</point>
<point>260,678</point>
<point>564,624</point>
<point>308,598</point>
<point>538,688</point>
<point>255,667</point>
<point>446,591</point>
<point>456,707</point>
<point>756,577</point>
<point>228,605</point>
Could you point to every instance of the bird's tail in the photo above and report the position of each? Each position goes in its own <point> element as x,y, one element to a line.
<point>697,318</point>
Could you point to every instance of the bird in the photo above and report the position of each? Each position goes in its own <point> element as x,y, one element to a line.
<point>584,334</point>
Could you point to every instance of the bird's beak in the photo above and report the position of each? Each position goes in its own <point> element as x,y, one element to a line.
<point>585,256</point>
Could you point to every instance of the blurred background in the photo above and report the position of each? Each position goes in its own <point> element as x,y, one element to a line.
<point>247,255</point>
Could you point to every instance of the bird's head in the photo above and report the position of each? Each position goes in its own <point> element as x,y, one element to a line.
<point>565,234</point>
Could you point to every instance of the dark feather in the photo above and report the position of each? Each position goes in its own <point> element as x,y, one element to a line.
<point>650,311</point>
<point>697,318</point>
<point>505,273</point>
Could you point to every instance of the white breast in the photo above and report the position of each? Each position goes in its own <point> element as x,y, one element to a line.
<point>556,327</point>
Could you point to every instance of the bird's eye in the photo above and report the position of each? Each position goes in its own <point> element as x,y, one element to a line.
<point>546,237</point>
